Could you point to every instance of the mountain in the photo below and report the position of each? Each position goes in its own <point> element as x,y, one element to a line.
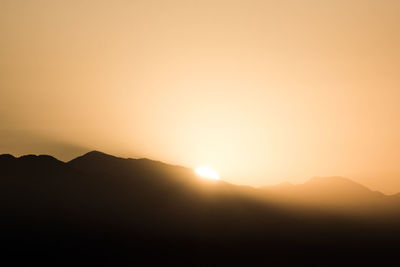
<point>103,210</point>
<point>337,194</point>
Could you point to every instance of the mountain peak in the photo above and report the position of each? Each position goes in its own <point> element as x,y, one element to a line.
<point>93,155</point>
<point>94,160</point>
<point>6,156</point>
<point>339,185</point>
<point>31,157</point>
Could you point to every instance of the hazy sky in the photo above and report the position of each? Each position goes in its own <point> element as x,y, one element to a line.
<point>263,91</point>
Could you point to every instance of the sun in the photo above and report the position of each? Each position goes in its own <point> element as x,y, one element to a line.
<point>207,172</point>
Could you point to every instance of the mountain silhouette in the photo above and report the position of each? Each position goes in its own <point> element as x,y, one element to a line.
<point>337,194</point>
<point>99,209</point>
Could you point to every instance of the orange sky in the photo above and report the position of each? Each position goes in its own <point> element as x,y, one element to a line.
<point>263,91</point>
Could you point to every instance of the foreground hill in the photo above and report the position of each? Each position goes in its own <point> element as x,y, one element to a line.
<point>99,209</point>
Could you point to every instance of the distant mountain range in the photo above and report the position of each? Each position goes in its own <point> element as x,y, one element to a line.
<point>335,193</point>
<point>101,203</point>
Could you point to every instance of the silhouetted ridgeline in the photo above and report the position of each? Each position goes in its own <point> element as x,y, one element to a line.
<point>102,210</point>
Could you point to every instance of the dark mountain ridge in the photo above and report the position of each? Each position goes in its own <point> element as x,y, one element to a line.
<point>124,209</point>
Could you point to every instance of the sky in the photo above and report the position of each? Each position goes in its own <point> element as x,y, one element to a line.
<point>262,91</point>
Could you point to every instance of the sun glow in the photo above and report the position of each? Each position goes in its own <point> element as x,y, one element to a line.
<point>208,173</point>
